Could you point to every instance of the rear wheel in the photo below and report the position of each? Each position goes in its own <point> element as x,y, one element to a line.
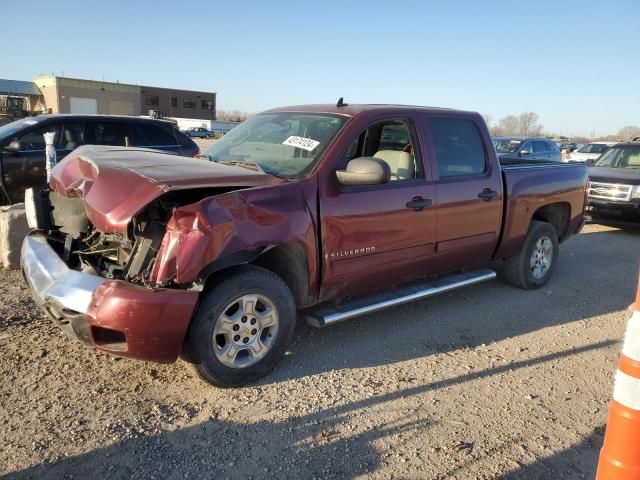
<point>241,328</point>
<point>534,265</point>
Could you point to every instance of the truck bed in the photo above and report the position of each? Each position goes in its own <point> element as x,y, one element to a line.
<point>530,186</point>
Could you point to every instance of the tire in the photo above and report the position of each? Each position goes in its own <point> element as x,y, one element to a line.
<point>519,271</point>
<point>213,337</point>
<point>207,136</point>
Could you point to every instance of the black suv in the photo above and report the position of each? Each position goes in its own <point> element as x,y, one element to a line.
<point>22,156</point>
<point>614,183</point>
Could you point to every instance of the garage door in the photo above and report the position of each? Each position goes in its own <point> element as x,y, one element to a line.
<point>83,105</point>
<point>120,107</point>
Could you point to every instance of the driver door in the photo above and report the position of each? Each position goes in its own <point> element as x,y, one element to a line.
<point>377,236</point>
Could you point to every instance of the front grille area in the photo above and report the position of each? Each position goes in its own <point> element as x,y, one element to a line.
<point>610,191</point>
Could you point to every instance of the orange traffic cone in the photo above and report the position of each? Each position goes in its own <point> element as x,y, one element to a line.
<point>620,454</point>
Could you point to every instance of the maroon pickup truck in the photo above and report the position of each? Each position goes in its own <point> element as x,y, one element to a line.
<point>326,211</point>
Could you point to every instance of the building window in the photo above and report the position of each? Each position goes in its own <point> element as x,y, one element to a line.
<point>189,103</point>
<point>206,105</point>
<point>152,100</point>
<point>174,102</point>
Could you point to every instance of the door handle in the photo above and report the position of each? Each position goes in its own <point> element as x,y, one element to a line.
<point>487,194</point>
<point>418,203</point>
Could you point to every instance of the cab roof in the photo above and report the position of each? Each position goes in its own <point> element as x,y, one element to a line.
<point>351,110</point>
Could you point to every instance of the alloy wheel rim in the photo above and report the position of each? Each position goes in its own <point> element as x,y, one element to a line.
<point>245,331</point>
<point>541,257</point>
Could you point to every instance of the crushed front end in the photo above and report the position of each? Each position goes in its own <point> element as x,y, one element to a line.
<point>119,240</point>
<point>95,285</point>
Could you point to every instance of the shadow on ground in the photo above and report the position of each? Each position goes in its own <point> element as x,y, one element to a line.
<point>596,275</point>
<point>301,447</point>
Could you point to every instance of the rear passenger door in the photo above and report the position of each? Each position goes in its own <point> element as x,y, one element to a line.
<point>468,190</point>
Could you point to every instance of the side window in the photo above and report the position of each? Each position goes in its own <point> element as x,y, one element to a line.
<point>156,136</point>
<point>539,147</point>
<point>527,147</point>
<point>34,140</point>
<point>459,147</point>
<point>391,141</point>
<point>551,147</point>
<point>109,133</point>
<point>71,136</point>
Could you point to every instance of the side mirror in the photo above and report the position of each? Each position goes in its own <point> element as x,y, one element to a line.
<point>525,152</point>
<point>365,171</point>
<point>14,146</point>
<point>590,162</point>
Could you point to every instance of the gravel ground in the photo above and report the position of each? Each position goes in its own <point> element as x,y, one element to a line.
<point>487,382</point>
<point>203,143</point>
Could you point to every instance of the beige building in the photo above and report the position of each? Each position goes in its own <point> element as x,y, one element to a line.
<point>73,95</point>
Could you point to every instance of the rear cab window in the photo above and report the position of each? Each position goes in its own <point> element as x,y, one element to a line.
<point>458,147</point>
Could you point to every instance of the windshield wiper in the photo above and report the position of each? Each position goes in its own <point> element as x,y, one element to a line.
<point>250,164</point>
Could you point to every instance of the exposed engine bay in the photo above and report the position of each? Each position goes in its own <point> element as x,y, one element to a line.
<point>128,256</point>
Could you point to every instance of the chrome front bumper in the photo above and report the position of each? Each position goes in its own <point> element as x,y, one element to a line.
<point>51,281</point>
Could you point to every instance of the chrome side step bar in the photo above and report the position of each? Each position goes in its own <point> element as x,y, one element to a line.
<point>323,316</point>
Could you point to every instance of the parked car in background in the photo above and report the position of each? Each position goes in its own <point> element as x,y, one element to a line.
<point>22,147</point>
<point>530,148</point>
<point>198,132</point>
<point>590,151</point>
<point>614,183</point>
<point>334,211</point>
<point>571,146</point>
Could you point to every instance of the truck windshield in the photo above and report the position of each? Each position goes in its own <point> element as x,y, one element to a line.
<point>507,145</point>
<point>620,157</point>
<point>283,144</point>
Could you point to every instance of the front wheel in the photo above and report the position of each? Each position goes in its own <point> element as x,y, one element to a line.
<point>534,265</point>
<point>241,328</point>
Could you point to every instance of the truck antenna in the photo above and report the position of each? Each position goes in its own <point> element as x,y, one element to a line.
<point>341,103</point>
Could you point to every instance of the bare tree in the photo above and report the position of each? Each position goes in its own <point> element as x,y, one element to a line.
<point>629,132</point>
<point>509,125</point>
<point>528,126</point>
<point>232,115</point>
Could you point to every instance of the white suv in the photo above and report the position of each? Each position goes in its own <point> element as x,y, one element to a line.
<point>590,151</point>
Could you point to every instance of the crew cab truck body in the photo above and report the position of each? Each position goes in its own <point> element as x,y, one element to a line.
<point>329,211</point>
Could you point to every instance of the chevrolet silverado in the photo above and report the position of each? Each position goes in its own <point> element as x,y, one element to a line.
<point>323,212</point>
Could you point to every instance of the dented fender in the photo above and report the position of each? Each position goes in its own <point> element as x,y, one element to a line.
<point>235,228</point>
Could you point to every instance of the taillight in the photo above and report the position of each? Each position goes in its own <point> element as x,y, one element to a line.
<point>196,153</point>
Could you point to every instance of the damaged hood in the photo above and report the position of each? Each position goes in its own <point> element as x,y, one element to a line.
<point>118,182</point>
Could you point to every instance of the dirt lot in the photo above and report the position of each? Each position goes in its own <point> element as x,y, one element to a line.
<point>487,382</point>
<point>203,143</point>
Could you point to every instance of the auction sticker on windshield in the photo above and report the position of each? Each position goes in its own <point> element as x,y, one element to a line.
<point>307,144</point>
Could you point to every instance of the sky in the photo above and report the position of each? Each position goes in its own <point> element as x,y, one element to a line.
<point>575,63</point>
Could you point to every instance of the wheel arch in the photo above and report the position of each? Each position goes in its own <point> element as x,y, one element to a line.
<point>557,214</point>
<point>288,261</point>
